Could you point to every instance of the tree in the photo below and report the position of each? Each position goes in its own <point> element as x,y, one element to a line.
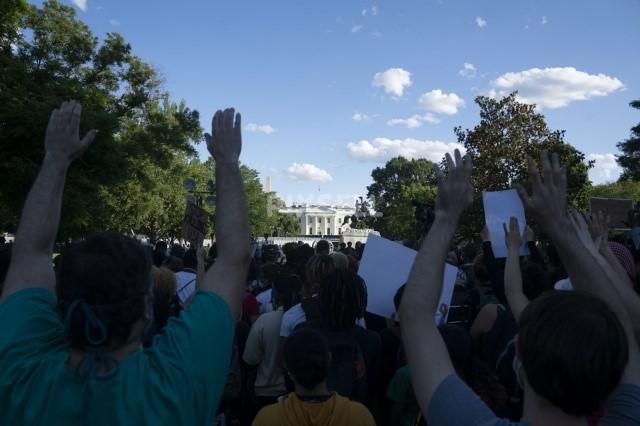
<point>141,129</point>
<point>629,189</point>
<point>287,225</point>
<point>629,159</point>
<point>508,132</point>
<point>397,190</point>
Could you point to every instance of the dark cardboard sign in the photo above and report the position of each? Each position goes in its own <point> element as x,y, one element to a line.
<point>616,208</point>
<point>195,224</point>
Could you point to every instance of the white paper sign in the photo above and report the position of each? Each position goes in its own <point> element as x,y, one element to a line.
<point>385,267</point>
<point>499,207</point>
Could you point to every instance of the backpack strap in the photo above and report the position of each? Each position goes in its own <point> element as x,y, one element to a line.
<point>506,350</point>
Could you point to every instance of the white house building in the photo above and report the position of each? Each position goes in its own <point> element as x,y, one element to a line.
<point>321,220</point>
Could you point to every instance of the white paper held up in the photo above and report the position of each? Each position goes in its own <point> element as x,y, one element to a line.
<point>385,267</point>
<point>499,207</point>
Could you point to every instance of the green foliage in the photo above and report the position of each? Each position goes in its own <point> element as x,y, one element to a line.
<point>287,225</point>
<point>629,159</point>
<point>397,189</point>
<point>131,178</point>
<point>629,189</point>
<point>509,131</point>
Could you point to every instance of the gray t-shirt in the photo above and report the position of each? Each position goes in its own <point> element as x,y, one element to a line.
<point>455,404</point>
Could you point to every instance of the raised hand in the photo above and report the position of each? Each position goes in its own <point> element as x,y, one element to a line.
<point>599,225</point>
<point>548,201</point>
<point>583,233</point>
<point>225,141</point>
<point>512,235</point>
<point>485,234</point>
<point>62,141</point>
<point>455,192</point>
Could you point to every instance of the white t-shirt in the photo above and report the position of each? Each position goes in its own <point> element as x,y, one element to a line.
<point>262,347</point>
<point>296,315</point>
<point>264,300</point>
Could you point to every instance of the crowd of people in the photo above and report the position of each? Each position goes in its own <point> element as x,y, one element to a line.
<point>113,332</point>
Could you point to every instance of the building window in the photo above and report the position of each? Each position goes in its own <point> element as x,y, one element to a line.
<point>310,231</point>
<point>328,231</point>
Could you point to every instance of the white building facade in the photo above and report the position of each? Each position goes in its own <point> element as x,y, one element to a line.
<point>321,220</point>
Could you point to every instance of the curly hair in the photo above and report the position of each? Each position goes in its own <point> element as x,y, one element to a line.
<point>343,299</point>
<point>111,274</point>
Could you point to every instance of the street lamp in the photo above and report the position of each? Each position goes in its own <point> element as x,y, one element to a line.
<point>197,197</point>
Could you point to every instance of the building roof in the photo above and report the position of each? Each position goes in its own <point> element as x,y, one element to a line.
<point>313,209</point>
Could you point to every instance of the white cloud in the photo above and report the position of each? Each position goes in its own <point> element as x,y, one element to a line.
<point>267,129</point>
<point>394,81</point>
<point>81,4</point>
<point>358,116</point>
<point>114,22</point>
<point>441,103</point>
<point>544,20</point>
<point>481,23</point>
<point>307,172</point>
<point>376,34</point>
<point>468,70</point>
<point>605,169</point>
<point>554,87</point>
<point>356,28</point>
<point>383,149</point>
<point>414,121</point>
<point>373,11</point>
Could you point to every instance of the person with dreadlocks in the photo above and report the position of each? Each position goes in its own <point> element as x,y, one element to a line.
<point>77,358</point>
<point>355,351</point>
<point>318,267</point>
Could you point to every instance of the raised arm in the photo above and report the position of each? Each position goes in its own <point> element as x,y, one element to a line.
<point>426,352</point>
<point>31,260</point>
<point>496,274</point>
<point>227,277</point>
<point>512,274</point>
<point>587,269</point>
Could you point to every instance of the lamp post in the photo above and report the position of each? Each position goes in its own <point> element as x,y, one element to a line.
<point>197,197</point>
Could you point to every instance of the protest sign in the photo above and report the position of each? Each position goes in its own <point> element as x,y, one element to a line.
<point>385,267</point>
<point>616,208</point>
<point>195,223</point>
<point>499,208</point>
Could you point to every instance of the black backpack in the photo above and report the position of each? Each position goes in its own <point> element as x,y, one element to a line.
<point>347,372</point>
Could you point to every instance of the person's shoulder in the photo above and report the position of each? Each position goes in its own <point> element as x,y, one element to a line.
<point>275,315</point>
<point>294,311</point>
<point>357,413</point>
<point>270,415</point>
<point>208,303</point>
<point>29,295</point>
<point>623,406</point>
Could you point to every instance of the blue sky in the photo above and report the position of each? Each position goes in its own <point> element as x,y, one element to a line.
<point>322,82</point>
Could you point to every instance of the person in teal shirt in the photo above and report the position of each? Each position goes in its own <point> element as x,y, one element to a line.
<point>75,357</point>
